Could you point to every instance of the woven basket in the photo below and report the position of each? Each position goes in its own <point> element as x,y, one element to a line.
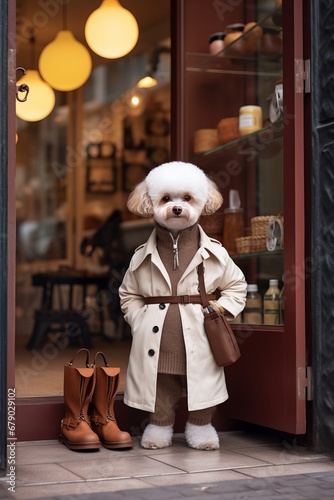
<point>228,130</point>
<point>213,224</point>
<point>259,225</point>
<point>243,244</point>
<point>258,244</point>
<point>205,139</point>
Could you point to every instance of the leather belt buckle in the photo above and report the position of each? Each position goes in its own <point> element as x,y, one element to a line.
<point>185,299</point>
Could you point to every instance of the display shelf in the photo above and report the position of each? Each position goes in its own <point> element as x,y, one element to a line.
<point>244,330</point>
<point>232,61</point>
<point>248,144</point>
<point>242,256</point>
<point>234,65</point>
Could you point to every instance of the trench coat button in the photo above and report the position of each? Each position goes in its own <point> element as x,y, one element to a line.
<point>151,352</point>
<point>155,329</point>
<point>162,306</point>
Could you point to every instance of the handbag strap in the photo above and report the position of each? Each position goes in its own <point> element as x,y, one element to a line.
<point>83,349</point>
<point>202,291</point>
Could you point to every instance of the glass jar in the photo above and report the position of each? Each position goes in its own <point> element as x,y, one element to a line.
<point>271,304</point>
<point>250,119</point>
<point>253,310</point>
<point>233,42</point>
<point>272,41</point>
<point>281,306</point>
<point>216,42</point>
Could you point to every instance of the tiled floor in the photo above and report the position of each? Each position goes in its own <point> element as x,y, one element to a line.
<point>47,469</point>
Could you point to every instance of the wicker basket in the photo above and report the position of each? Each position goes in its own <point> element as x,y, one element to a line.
<point>213,224</point>
<point>243,244</point>
<point>205,139</point>
<point>259,225</point>
<point>228,130</point>
<point>258,244</point>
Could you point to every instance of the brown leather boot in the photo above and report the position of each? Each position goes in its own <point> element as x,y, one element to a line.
<point>102,415</point>
<point>79,383</point>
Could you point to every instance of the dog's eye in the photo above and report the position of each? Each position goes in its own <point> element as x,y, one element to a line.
<point>187,197</point>
<point>166,199</point>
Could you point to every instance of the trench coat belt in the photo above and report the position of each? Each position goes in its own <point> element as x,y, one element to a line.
<point>177,299</point>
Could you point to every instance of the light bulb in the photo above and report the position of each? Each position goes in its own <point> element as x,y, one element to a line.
<point>111,31</point>
<point>41,98</point>
<point>135,101</point>
<point>147,82</point>
<point>65,63</point>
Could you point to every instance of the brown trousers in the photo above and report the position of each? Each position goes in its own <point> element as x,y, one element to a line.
<point>169,391</point>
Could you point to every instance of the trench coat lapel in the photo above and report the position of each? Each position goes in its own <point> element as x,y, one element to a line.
<point>149,249</point>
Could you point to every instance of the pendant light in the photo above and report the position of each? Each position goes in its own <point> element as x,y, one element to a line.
<point>111,31</point>
<point>41,99</point>
<point>65,63</point>
<point>147,82</point>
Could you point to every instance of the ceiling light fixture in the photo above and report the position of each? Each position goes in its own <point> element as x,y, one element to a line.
<point>65,63</point>
<point>111,31</point>
<point>149,81</point>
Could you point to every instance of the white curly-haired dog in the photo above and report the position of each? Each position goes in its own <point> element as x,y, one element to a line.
<point>176,194</point>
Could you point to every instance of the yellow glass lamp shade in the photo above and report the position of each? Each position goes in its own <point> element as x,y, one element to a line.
<point>147,82</point>
<point>65,63</point>
<point>41,98</point>
<point>111,31</point>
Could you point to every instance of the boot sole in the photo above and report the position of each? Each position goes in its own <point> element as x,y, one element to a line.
<point>116,446</point>
<point>79,446</point>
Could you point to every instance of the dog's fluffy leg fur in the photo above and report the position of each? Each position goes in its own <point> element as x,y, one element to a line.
<point>201,437</point>
<point>156,436</point>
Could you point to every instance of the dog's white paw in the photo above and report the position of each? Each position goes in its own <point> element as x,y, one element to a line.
<point>156,436</point>
<point>201,437</point>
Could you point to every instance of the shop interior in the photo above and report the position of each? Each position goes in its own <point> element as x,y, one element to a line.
<point>75,168</point>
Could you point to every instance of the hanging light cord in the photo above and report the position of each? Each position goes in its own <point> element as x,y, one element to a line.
<point>64,12</point>
<point>32,52</point>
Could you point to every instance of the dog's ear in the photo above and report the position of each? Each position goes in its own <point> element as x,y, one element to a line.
<point>214,201</point>
<point>139,202</point>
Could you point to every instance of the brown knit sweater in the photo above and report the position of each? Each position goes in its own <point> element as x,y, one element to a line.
<point>172,357</point>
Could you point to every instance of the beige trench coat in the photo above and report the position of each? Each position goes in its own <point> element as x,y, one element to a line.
<point>147,277</point>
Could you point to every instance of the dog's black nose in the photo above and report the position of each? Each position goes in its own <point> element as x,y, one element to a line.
<point>177,210</point>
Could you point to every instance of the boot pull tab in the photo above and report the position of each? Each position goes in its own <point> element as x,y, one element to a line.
<point>70,363</point>
<point>104,358</point>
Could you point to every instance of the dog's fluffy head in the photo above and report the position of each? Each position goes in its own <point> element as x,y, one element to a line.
<point>176,194</point>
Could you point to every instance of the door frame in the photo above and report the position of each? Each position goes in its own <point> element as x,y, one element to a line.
<point>7,217</point>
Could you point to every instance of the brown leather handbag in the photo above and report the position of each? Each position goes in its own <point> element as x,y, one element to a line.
<point>221,338</point>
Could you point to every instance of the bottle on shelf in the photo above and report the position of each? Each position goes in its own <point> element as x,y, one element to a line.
<point>271,304</point>
<point>252,314</point>
<point>281,304</point>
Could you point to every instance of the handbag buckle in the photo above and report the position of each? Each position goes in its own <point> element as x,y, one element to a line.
<point>207,310</point>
